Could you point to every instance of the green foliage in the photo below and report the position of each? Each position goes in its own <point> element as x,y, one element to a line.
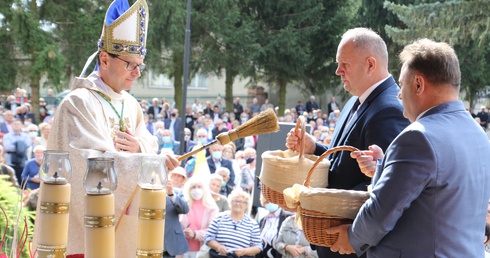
<point>10,199</point>
<point>463,24</point>
<point>50,62</point>
<point>455,22</point>
<point>335,19</point>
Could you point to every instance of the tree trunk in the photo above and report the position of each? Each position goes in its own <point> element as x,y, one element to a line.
<point>282,97</point>
<point>178,81</point>
<point>230,77</point>
<point>35,98</point>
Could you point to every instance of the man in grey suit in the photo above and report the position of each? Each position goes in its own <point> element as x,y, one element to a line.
<point>374,115</point>
<point>431,189</point>
<point>175,242</point>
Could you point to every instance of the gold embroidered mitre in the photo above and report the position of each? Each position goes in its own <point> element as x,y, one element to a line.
<point>125,34</point>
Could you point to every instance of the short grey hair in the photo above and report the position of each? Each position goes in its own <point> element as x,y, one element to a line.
<point>368,40</point>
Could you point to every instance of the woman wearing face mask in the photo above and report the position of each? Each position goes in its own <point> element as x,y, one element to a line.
<point>202,210</point>
<point>269,227</point>
<point>248,171</point>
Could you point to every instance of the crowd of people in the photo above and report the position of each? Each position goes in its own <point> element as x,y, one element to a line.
<point>430,188</point>
<point>203,123</point>
<point>199,194</point>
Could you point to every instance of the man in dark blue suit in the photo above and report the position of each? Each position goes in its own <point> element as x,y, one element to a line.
<point>175,242</point>
<point>216,160</point>
<point>374,115</point>
<point>174,124</point>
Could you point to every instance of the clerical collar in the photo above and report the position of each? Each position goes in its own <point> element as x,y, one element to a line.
<point>104,88</point>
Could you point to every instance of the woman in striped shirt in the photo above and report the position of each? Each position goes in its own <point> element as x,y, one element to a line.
<point>233,233</point>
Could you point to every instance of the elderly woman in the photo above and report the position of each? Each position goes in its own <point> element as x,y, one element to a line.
<point>45,128</point>
<point>248,171</point>
<point>202,210</point>
<point>234,233</point>
<point>215,184</point>
<point>291,241</point>
<point>229,153</point>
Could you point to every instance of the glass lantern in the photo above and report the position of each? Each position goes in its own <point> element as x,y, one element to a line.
<point>100,176</point>
<point>56,167</point>
<point>153,172</point>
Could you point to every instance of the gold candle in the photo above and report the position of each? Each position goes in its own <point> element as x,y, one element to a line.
<point>100,239</point>
<point>151,222</point>
<point>100,182</point>
<point>54,202</point>
<point>152,178</point>
<point>53,219</point>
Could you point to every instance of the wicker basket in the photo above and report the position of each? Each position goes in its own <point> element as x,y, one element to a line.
<point>282,169</point>
<point>322,208</point>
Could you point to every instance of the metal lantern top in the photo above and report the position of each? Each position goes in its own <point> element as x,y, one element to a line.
<point>56,167</point>
<point>100,176</point>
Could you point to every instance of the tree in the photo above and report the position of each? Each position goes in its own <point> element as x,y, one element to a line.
<point>8,72</point>
<point>463,24</point>
<point>335,19</point>
<point>77,26</point>
<point>374,15</point>
<point>230,42</point>
<point>285,29</point>
<point>41,52</point>
<point>166,43</point>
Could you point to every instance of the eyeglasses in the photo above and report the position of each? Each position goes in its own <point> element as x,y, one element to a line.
<point>132,65</point>
<point>238,202</point>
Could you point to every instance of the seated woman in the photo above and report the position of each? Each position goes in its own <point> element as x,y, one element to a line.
<point>291,241</point>
<point>233,233</point>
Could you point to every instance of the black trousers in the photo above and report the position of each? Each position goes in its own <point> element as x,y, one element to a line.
<point>324,252</point>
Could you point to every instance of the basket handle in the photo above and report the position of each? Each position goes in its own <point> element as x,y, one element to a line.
<point>325,154</point>
<point>301,122</point>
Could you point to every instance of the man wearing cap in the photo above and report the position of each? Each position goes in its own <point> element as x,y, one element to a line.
<point>178,177</point>
<point>99,118</point>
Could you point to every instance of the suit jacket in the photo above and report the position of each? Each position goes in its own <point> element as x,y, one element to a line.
<point>378,121</point>
<point>3,128</point>
<point>330,106</point>
<point>431,191</point>
<point>177,126</point>
<point>216,131</point>
<point>174,239</point>
<point>224,163</point>
<point>152,109</point>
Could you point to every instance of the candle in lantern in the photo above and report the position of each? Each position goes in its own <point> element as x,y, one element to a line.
<point>99,226</point>
<point>151,219</point>
<point>53,220</point>
<point>99,182</point>
<point>54,198</point>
